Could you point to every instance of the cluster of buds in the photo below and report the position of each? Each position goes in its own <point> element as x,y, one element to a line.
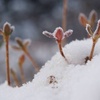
<point>95,36</point>
<point>91,20</point>
<point>59,35</point>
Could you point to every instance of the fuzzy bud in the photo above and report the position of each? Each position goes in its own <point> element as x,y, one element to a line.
<point>27,42</point>
<point>92,17</point>
<point>58,34</point>
<point>83,19</point>
<point>21,60</point>
<point>7,29</point>
<point>19,42</point>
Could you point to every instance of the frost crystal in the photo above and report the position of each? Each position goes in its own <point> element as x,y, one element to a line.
<point>97,31</point>
<point>48,34</point>
<point>88,29</point>
<point>68,33</point>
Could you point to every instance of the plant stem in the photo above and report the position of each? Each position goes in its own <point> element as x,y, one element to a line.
<point>22,74</point>
<point>7,60</point>
<point>92,50</point>
<point>61,51</point>
<point>64,17</point>
<point>14,77</point>
<point>32,60</point>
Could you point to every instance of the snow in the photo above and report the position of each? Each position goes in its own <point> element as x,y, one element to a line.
<point>74,81</point>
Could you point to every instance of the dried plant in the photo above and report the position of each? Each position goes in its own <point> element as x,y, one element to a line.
<point>91,20</point>
<point>95,36</point>
<point>59,35</point>
<point>6,32</point>
<point>21,62</point>
<point>23,45</point>
<point>14,77</point>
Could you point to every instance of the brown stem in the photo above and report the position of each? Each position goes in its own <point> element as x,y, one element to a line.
<point>22,74</point>
<point>92,50</point>
<point>7,60</point>
<point>32,60</point>
<point>14,77</point>
<point>64,17</point>
<point>61,51</point>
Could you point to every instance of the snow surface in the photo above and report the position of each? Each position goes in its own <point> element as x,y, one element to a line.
<point>74,81</point>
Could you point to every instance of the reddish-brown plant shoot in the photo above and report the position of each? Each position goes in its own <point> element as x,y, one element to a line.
<point>6,32</point>
<point>21,62</point>
<point>95,36</point>
<point>91,20</point>
<point>59,35</point>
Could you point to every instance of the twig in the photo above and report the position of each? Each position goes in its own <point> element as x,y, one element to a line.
<point>7,60</point>
<point>92,50</point>
<point>32,60</point>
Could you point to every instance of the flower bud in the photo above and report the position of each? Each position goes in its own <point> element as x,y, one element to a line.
<point>58,33</point>
<point>83,19</point>
<point>19,42</point>
<point>7,29</point>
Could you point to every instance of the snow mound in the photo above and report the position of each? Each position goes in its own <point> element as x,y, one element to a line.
<point>58,80</point>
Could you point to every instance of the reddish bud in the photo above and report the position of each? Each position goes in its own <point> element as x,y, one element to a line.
<point>58,33</point>
<point>21,60</point>
<point>83,19</point>
<point>92,17</point>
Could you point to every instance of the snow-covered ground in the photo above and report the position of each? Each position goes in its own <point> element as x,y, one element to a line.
<point>58,80</point>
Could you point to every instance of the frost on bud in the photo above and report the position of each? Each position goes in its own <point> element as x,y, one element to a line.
<point>96,34</point>
<point>7,29</point>
<point>89,30</point>
<point>68,33</point>
<point>97,31</point>
<point>58,34</point>
<point>19,42</point>
<point>48,34</point>
<point>27,42</point>
<point>21,60</point>
<point>92,17</point>
<point>83,19</point>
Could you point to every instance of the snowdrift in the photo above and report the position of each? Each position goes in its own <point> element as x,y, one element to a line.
<point>58,80</point>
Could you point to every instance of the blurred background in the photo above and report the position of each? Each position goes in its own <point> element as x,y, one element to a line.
<point>31,18</point>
